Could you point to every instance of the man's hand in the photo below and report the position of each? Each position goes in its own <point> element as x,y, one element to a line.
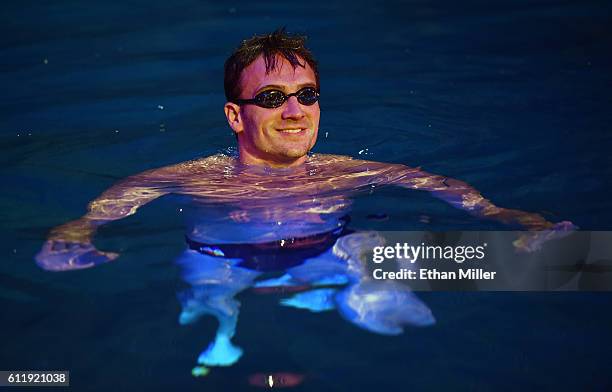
<point>532,241</point>
<point>69,246</point>
<point>60,255</point>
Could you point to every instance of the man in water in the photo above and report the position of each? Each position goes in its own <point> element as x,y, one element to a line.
<point>274,205</point>
<point>272,91</point>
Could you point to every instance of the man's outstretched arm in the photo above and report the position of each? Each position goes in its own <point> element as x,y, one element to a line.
<point>69,246</point>
<point>461,195</point>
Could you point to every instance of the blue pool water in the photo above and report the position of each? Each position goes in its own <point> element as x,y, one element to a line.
<point>512,98</point>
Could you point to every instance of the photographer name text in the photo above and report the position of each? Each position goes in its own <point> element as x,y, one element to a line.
<point>422,252</point>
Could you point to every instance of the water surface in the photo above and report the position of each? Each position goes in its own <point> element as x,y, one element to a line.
<point>512,98</point>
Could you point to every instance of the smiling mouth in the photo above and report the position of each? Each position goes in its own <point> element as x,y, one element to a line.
<point>292,130</point>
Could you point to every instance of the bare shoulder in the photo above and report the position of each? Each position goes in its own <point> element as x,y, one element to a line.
<point>341,161</point>
<point>372,172</point>
<point>199,166</point>
<point>347,161</point>
<point>329,158</point>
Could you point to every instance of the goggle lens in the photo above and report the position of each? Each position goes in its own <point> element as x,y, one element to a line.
<point>271,99</point>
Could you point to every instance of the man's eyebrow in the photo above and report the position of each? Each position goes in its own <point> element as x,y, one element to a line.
<point>283,88</point>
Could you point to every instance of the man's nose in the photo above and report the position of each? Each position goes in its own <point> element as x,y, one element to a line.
<point>292,109</point>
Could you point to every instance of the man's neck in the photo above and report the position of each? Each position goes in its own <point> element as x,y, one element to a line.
<point>246,158</point>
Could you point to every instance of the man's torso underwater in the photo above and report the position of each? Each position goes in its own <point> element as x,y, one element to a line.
<point>228,203</point>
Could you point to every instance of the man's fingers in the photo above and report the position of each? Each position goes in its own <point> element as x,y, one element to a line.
<point>72,246</point>
<point>63,256</point>
<point>533,241</point>
<point>565,226</point>
<point>55,245</point>
<point>59,246</point>
<point>111,255</point>
<point>91,258</point>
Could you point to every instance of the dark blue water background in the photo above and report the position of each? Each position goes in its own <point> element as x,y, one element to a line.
<point>512,97</point>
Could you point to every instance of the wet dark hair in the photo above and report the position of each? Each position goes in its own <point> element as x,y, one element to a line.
<point>291,47</point>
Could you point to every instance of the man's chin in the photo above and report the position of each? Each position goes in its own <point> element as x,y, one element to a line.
<point>292,151</point>
<point>288,158</point>
<point>295,154</point>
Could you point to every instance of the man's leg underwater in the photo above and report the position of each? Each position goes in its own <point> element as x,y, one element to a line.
<point>383,307</point>
<point>214,283</point>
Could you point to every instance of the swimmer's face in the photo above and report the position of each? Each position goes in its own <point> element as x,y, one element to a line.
<point>277,137</point>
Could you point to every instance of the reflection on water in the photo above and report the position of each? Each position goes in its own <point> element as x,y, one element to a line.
<point>278,380</point>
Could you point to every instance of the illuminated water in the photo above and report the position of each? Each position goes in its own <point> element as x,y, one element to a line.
<point>512,98</point>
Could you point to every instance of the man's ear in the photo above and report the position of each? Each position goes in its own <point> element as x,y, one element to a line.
<point>232,113</point>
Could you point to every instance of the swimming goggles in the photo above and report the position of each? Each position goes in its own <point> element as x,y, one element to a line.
<point>271,99</point>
